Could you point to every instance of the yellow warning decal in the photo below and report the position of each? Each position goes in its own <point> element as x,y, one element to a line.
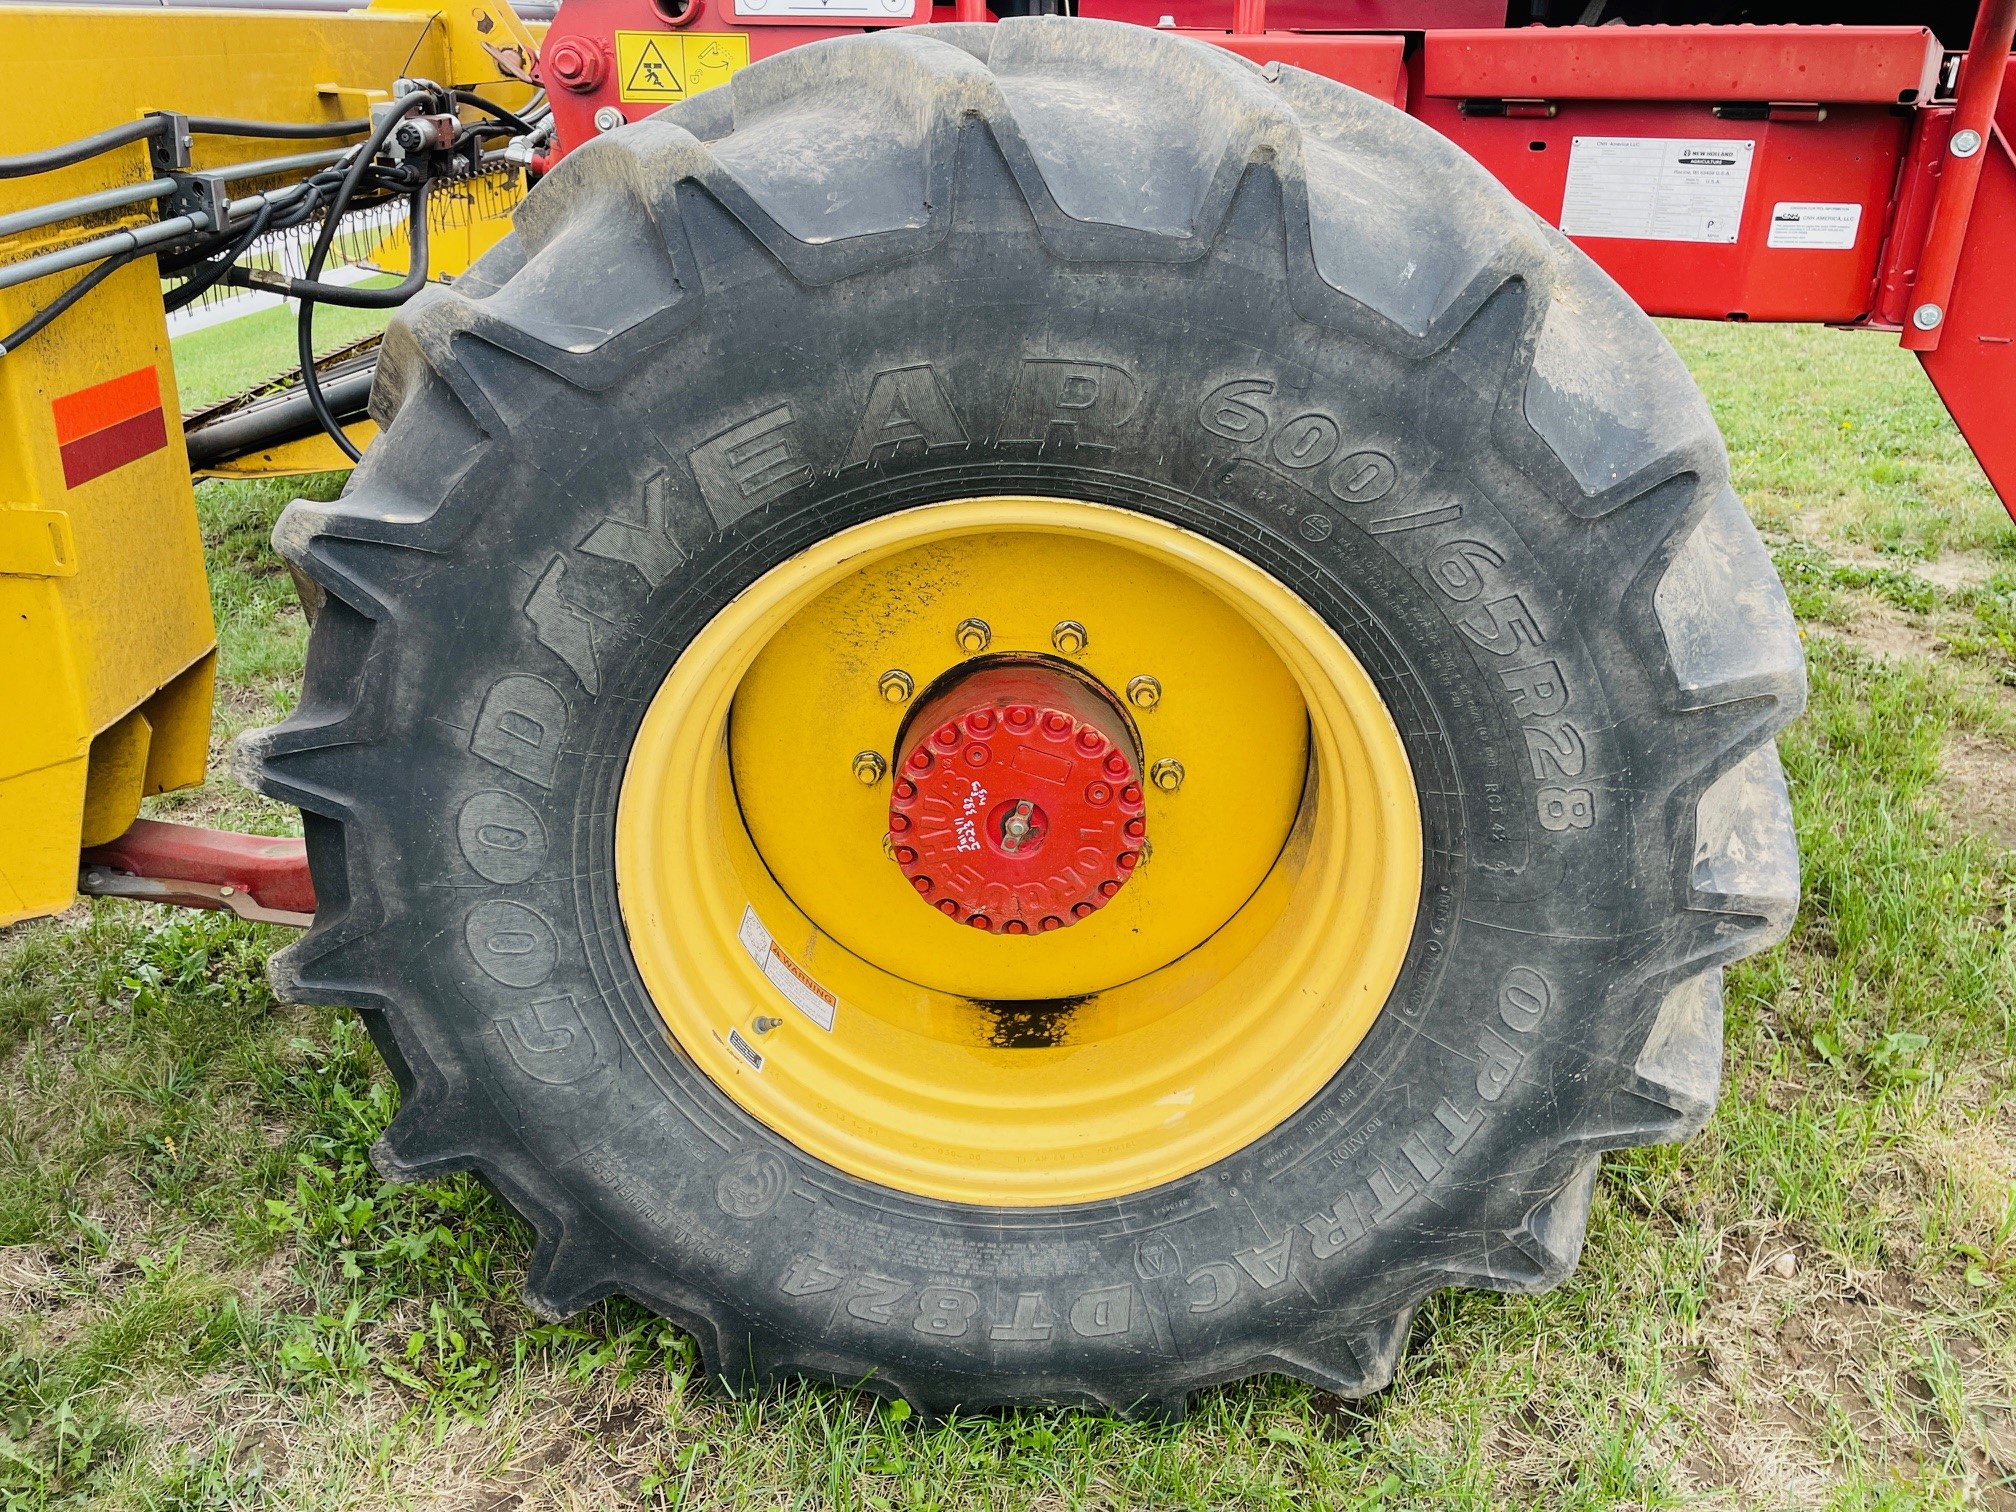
<point>662,68</point>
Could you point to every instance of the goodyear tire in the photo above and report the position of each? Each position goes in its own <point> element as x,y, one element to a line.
<point>1124,268</point>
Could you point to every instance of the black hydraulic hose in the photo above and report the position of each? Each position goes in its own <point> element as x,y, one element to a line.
<point>42,317</point>
<point>304,326</point>
<point>476,102</point>
<point>367,299</point>
<point>305,131</point>
<point>51,158</point>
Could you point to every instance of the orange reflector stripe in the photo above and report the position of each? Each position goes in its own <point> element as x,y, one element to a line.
<point>103,404</point>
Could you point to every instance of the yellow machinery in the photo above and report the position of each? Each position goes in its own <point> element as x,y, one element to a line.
<point>106,639</point>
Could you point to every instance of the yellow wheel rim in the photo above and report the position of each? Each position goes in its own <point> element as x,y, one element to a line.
<point>1221,988</point>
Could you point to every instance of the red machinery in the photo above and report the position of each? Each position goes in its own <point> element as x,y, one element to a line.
<point>1846,175</point>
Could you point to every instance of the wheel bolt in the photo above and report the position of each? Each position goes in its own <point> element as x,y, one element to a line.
<point>1167,774</point>
<point>869,767</point>
<point>1070,637</point>
<point>973,635</point>
<point>896,686</point>
<point>1144,693</point>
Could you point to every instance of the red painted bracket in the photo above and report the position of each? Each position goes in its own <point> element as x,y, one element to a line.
<point>1974,365</point>
<point>254,876</point>
<point>1969,150</point>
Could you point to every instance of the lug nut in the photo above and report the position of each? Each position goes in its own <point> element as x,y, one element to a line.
<point>973,635</point>
<point>1144,693</point>
<point>896,686</point>
<point>869,767</point>
<point>1070,637</point>
<point>1167,774</point>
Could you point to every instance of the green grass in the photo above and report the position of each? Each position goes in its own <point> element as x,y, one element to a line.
<point>221,360</point>
<point>209,1300</point>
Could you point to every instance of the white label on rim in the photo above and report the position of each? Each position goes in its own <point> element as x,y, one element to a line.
<point>1657,188</point>
<point>837,10</point>
<point>743,1048</point>
<point>786,975</point>
<point>1815,226</point>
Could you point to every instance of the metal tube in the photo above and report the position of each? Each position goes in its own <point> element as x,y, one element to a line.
<point>266,167</point>
<point>83,204</point>
<point>33,268</point>
<point>1968,145</point>
<point>275,422</point>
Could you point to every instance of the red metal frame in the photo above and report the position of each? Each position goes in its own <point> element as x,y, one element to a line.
<point>1969,147</point>
<point>1835,116</point>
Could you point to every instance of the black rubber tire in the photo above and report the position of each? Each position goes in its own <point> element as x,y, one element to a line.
<point>1521,522</point>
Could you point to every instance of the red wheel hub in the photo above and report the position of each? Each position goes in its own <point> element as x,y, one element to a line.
<point>1017,802</point>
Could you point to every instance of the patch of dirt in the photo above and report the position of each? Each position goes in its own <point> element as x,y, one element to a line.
<point>1796,1351</point>
<point>31,1280</point>
<point>1979,787</point>
<point>1960,569</point>
<point>1883,632</point>
<point>1949,572</point>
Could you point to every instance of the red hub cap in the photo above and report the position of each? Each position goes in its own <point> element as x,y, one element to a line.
<point>1017,802</point>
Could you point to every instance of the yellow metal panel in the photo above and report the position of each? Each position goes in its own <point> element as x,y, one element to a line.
<point>38,859</point>
<point>294,459</point>
<point>179,716</point>
<point>86,649</point>
<point>104,610</point>
<point>117,778</point>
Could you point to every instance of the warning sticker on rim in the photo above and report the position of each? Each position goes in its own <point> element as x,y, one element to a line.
<point>1656,188</point>
<point>786,975</point>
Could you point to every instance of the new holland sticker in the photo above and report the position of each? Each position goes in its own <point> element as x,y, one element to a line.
<point>663,68</point>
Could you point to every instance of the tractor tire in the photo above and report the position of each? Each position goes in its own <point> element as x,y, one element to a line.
<point>1048,259</point>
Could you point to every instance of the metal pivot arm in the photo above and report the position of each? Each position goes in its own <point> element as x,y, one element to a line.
<point>254,876</point>
<point>1980,88</point>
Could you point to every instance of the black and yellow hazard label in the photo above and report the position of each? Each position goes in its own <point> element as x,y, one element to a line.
<point>661,68</point>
